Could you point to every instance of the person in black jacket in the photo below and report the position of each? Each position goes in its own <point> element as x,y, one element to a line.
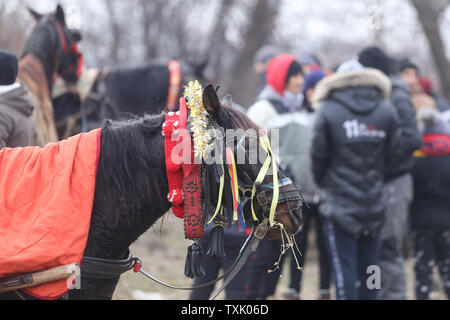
<point>398,191</point>
<point>352,139</point>
<point>430,209</point>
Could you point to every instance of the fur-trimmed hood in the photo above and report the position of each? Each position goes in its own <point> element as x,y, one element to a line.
<point>366,77</point>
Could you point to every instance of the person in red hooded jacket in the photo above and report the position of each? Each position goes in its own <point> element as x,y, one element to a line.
<point>282,93</point>
<point>277,107</point>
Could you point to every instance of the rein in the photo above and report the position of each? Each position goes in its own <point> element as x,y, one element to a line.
<point>98,268</point>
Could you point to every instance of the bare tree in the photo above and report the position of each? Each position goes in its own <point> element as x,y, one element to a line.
<point>244,81</point>
<point>116,29</point>
<point>218,41</point>
<point>15,24</point>
<point>151,21</point>
<point>429,13</point>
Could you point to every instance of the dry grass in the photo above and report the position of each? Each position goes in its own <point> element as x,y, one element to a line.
<point>162,250</point>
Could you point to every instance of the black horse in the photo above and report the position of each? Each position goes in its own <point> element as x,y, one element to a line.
<point>53,42</point>
<point>144,90</point>
<point>131,188</point>
<point>123,92</point>
<point>49,51</point>
<point>53,46</point>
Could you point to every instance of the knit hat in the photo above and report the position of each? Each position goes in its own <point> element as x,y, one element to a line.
<point>308,59</point>
<point>373,57</point>
<point>350,65</point>
<point>8,68</point>
<point>266,53</point>
<point>278,70</point>
<point>312,79</point>
<point>406,64</point>
<point>426,84</point>
<point>294,69</point>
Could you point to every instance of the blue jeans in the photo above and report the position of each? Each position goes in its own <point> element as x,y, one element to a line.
<point>350,257</point>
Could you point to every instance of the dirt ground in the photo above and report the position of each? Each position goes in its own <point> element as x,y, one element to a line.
<point>162,250</point>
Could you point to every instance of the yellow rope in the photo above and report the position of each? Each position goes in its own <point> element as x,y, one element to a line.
<point>259,179</point>
<point>265,144</point>
<point>287,242</point>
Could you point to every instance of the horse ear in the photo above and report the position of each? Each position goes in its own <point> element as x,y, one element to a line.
<point>211,101</point>
<point>60,16</point>
<point>36,16</point>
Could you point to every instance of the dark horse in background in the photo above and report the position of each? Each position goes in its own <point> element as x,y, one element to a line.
<point>49,51</point>
<point>119,93</point>
<point>131,188</point>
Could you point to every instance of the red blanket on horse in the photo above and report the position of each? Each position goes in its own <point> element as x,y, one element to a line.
<point>46,197</point>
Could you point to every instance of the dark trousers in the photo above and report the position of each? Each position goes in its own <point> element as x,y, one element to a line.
<point>236,289</point>
<point>351,257</point>
<point>262,284</point>
<point>310,214</point>
<point>431,248</point>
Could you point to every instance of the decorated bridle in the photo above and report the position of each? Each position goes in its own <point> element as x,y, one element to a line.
<point>189,136</point>
<point>70,61</point>
<point>71,64</point>
<point>192,130</point>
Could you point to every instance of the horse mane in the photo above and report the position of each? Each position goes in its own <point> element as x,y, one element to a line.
<point>131,181</point>
<point>131,186</point>
<point>234,119</point>
<point>228,118</point>
<point>41,43</point>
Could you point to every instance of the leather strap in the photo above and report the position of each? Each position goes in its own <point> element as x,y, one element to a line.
<point>192,187</point>
<point>247,249</point>
<point>98,268</point>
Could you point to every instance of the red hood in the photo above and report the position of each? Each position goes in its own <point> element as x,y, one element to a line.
<point>277,71</point>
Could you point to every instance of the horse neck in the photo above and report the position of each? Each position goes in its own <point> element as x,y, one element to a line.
<point>37,67</point>
<point>127,205</point>
<point>32,72</point>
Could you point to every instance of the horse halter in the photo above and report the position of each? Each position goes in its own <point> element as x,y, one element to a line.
<point>71,64</point>
<point>263,196</point>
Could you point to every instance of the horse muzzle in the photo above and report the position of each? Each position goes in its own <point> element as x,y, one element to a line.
<point>290,216</point>
<point>288,212</point>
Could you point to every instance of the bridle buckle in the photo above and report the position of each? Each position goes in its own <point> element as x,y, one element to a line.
<point>262,198</point>
<point>261,230</point>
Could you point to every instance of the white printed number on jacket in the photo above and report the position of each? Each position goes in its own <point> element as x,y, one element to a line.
<point>354,129</point>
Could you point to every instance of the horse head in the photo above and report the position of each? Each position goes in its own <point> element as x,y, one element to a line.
<point>265,191</point>
<point>55,45</point>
